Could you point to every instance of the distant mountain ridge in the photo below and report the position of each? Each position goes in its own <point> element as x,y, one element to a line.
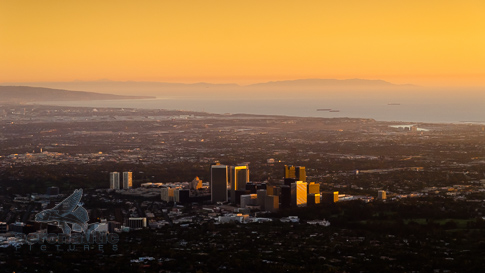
<point>23,94</point>
<point>165,89</point>
<point>331,83</point>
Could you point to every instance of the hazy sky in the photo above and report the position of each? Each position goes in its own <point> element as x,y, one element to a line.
<point>421,42</point>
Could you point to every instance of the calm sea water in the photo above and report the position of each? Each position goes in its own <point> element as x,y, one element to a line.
<point>421,111</point>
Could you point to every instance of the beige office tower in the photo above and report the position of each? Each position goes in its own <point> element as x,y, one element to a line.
<point>299,194</point>
<point>381,195</point>
<point>271,203</point>
<point>239,178</point>
<point>313,188</point>
<point>329,196</point>
<point>114,180</point>
<point>313,198</point>
<point>127,180</point>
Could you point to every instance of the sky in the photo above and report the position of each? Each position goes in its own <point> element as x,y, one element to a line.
<point>431,43</point>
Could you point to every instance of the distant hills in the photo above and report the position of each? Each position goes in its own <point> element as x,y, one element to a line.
<point>302,87</point>
<point>23,94</point>
<point>315,83</point>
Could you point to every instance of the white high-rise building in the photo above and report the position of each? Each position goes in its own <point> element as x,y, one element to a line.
<point>114,180</point>
<point>127,180</point>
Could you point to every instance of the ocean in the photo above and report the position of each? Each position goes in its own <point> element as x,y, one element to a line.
<point>456,111</point>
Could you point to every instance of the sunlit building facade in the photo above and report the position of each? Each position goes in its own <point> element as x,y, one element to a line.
<point>295,172</point>
<point>381,195</point>
<point>313,188</point>
<point>239,176</point>
<point>127,180</point>
<point>299,194</point>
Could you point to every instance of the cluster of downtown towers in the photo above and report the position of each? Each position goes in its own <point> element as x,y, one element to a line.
<point>231,183</point>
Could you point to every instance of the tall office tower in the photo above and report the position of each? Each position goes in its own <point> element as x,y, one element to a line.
<point>295,172</point>
<point>127,180</point>
<point>313,188</point>
<point>289,171</point>
<point>313,198</point>
<point>261,199</point>
<point>114,180</point>
<point>239,179</point>
<point>329,196</point>
<point>299,194</point>
<point>285,196</point>
<point>300,173</point>
<point>219,176</point>
<point>381,195</point>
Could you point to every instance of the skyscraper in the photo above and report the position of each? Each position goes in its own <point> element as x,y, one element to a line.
<point>289,171</point>
<point>381,195</point>
<point>285,196</point>
<point>219,177</point>
<point>295,172</point>
<point>299,194</point>
<point>261,199</point>
<point>239,178</point>
<point>300,173</point>
<point>127,180</point>
<point>114,180</point>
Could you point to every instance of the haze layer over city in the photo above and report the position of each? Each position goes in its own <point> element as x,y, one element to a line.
<point>252,136</point>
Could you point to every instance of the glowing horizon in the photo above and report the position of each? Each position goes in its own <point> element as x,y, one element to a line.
<point>437,43</point>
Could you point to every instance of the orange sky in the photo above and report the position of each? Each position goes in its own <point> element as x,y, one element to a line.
<point>421,42</point>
